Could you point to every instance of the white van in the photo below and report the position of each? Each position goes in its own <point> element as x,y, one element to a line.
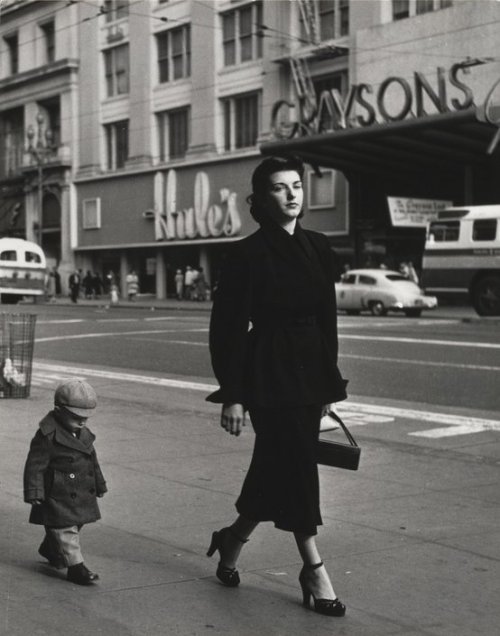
<point>462,256</point>
<point>22,270</point>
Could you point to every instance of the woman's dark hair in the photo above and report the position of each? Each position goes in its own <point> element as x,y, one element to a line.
<point>260,182</point>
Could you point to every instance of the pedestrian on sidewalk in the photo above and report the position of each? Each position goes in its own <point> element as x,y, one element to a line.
<point>283,371</point>
<point>132,282</point>
<point>62,479</point>
<point>88,285</point>
<point>74,282</point>
<point>179,284</point>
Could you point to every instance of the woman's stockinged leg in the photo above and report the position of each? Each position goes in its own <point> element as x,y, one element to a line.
<point>317,579</point>
<point>234,540</point>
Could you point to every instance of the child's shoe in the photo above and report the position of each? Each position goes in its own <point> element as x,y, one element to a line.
<point>81,575</point>
<point>55,560</point>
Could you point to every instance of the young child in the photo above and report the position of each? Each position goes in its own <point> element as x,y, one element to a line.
<point>62,478</point>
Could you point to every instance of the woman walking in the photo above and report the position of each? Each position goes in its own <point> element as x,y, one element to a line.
<point>283,371</point>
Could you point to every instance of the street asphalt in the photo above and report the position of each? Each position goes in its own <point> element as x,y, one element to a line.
<point>411,540</point>
<point>445,309</point>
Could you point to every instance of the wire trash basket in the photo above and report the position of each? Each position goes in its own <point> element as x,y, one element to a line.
<point>17,339</point>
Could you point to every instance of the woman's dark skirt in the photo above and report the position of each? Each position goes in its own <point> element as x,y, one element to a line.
<point>282,482</point>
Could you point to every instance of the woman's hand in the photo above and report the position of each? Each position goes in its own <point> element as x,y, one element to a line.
<point>232,418</point>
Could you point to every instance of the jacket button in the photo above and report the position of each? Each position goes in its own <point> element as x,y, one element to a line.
<point>73,495</point>
<point>92,491</point>
<point>72,475</point>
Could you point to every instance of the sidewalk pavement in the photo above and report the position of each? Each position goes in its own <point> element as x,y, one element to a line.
<point>411,540</point>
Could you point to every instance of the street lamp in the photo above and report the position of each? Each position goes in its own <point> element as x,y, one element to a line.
<point>40,153</point>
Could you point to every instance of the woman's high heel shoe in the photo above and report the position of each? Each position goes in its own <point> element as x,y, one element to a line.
<point>325,606</point>
<point>228,576</point>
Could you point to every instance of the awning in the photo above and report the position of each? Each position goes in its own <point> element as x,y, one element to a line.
<point>444,142</point>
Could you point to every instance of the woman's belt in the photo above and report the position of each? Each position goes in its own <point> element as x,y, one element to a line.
<point>283,321</point>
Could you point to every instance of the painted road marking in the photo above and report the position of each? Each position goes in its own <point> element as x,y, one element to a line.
<point>447,343</point>
<point>59,322</point>
<point>406,361</point>
<point>454,424</point>
<point>116,375</point>
<point>425,363</point>
<point>115,334</point>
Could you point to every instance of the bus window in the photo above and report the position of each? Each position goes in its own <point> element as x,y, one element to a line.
<point>484,230</point>
<point>8,255</point>
<point>444,231</point>
<point>32,257</point>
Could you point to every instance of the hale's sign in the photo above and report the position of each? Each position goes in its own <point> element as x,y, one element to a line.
<point>415,212</point>
<point>201,220</point>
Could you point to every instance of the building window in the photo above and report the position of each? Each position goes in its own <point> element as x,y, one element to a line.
<point>324,19</point>
<point>12,43</point>
<point>241,121</point>
<point>116,70</point>
<point>12,141</point>
<point>400,9</point>
<point>336,81</point>
<point>174,133</point>
<point>115,9</point>
<point>407,8</point>
<point>49,40</point>
<point>321,190</point>
<point>174,54</point>
<point>116,144</point>
<point>91,214</point>
<point>241,36</point>
<point>424,6</point>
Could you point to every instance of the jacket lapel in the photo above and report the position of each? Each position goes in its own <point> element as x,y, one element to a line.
<point>82,444</point>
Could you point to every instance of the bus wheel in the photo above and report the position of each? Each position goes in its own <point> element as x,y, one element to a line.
<point>486,296</point>
<point>377,308</point>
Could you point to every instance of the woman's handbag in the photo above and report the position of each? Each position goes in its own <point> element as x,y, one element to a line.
<point>339,454</point>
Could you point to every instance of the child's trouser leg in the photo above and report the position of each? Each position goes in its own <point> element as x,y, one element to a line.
<point>68,542</point>
<point>49,549</point>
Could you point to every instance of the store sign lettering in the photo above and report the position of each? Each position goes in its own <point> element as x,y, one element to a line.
<point>203,220</point>
<point>394,100</point>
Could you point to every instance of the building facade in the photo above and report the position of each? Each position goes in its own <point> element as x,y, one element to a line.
<point>159,110</point>
<point>38,136</point>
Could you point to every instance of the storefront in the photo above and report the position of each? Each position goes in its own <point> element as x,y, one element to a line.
<point>388,146</point>
<point>160,221</point>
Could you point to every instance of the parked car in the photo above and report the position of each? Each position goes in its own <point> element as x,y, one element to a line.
<point>380,291</point>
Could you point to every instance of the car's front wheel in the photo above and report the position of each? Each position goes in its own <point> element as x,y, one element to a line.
<point>377,308</point>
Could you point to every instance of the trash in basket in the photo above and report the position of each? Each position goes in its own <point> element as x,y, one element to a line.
<point>17,338</point>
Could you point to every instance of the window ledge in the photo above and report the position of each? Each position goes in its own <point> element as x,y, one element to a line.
<point>161,86</point>
<point>237,68</point>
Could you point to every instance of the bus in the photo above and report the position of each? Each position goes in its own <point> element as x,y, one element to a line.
<point>23,270</point>
<point>462,256</point>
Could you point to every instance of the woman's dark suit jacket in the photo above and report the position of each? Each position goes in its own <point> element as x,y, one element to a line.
<point>284,286</point>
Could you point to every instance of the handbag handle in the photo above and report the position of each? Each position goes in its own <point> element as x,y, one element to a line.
<point>347,432</point>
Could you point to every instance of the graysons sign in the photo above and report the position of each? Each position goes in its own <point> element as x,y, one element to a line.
<point>394,99</point>
<point>203,219</point>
